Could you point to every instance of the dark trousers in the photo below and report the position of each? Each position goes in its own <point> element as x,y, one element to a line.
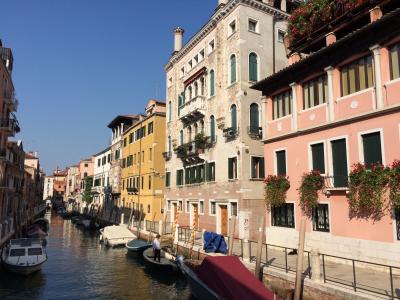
<point>157,254</point>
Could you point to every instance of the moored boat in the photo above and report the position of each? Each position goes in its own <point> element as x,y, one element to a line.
<point>24,256</point>
<point>165,262</point>
<point>36,231</point>
<point>137,245</point>
<point>116,235</point>
<point>223,277</point>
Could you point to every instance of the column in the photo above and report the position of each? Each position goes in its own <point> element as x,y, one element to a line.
<point>378,75</point>
<point>264,116</point>
<point>294,106</point>
<point>329,72</point>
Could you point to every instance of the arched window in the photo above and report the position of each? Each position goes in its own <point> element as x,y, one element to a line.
<point>202,86</point>
<point>181,137</point>
<point>196,89</point>
<point>233,68</point>
<point>212,83</point>
<point>254,118</point>
<point>189,132</point>
<point>233,117</point>
<point>253,67</point>
<point>201,126</point>
<point>169,144</point>
<point>196,129</point>
<point>212,129</point>
<point>169,111</point>
<point>190,93</point>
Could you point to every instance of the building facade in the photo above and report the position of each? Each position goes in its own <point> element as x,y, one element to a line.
<point>143,165</point>
<point>72,183</point>
<point>33,183</point>
<point>101,189</point>
<point>59,184</point>
<point>48,187</point>
<point>336,107</point>
<point>214,154</point>
<point>86,170</point>
<point>118,125</point>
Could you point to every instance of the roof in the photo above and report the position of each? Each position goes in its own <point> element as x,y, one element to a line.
<point>122,119</point>
<point>103,151</point>
<point>357,41</point>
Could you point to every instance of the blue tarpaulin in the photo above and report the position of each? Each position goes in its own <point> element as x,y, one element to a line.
<point>214,242</point>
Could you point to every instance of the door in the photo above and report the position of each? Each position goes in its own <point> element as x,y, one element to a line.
<point>224,219</point>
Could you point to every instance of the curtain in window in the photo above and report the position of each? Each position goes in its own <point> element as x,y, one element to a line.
<point>253,67</point>
<point>233,69</point>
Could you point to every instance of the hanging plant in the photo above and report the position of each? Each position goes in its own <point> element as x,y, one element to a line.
<point>367,188</point>
<point>394,184</point>
<point>276,187</point>
<point>311,183</point>
<point>200,140</point>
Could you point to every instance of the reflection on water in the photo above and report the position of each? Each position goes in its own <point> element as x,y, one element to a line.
<point>80,268</point>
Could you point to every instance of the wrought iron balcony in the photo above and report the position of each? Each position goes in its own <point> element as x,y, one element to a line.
<point>192,110</point>
<point>167,155</point>
<point>231,133</point>
<point>336,183</point>
<point>255,132</point>
<point>189,153</point>
<point>11,101</point>
<point>132,191</point>
<point>9,125</point>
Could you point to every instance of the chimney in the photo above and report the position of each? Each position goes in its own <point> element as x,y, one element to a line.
<point>178,36</point>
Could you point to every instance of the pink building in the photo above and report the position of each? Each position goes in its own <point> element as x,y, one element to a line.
<point>335,106</point>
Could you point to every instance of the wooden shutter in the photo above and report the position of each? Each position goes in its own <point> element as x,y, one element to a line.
<point>230,167</point>
<point>253,68</point>
<point>261,168</point>
<point>233,117</point>
<point>254,118</point>
<point>372,148</point>
<point>233,69</point>
<point>339,162</point>
<point>318,160</point>
<point>281,162</point>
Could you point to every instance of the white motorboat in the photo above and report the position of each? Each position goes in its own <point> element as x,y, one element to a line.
<point>24,256</point>
<point>116,235</point>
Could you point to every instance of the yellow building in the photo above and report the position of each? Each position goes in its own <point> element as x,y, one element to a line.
<point>143,167</point>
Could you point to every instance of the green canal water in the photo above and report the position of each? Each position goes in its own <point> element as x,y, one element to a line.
<point>78,267</point>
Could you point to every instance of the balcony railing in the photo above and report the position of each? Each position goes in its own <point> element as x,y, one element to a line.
<point>193,109</point>
<point>189,153</point>
<point>11,100</point>
<point>336,183</point>
<point>254,132</point>
<point>231,133</point>
<point>132,191</point>
<point>9,125</point>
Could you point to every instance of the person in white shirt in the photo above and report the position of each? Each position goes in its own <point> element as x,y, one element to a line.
<point>157,248</point>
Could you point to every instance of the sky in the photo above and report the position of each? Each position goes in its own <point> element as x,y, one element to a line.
<point>80,63</point>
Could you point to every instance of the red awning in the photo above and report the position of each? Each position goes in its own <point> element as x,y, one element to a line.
<point>230,279</point>
<point>195,76</point>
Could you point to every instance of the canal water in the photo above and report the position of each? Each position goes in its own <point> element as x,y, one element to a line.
<point>78,267</point>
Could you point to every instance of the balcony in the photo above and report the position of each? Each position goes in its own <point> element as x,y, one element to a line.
<point>97,190</point>
<point>167,155</point>
<point>231,133</point>
<point>192,110</point>
<point>336,183</point>
<point>189,153</point>
<point>11,101</point>
<point>132,191</point>
<point>9,125</point>
<point>254,132</point>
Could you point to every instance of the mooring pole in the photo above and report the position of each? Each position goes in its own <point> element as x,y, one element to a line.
<point>300,256</point>
<point>231,235</point>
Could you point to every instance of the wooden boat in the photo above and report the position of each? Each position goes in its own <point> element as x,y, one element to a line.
<point>137,245</point>
<point>24,256</point>
<point>165,263</point>
<point>116,235</point>
<point>43,223</point>
<point>36,231</point>
<point>223,277</point>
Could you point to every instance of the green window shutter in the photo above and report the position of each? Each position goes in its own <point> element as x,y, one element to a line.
<point>253,167</point>
<point>212,83</point>
<point>233,69</point>
<point>281,162</point>
<point>187,177</point>
<point>253,67</point>
<point>212,128</point>
<point>372,148</point>
<point>208,172</point>
<point>318,160</point>
<point>339,162</point>
<point>233,117</point>
<point>230,168</point>
<point>262,168</point>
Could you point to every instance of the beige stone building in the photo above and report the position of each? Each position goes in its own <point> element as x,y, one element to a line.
<point>214,154</point>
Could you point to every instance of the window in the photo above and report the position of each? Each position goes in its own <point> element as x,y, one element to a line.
<point>213,208</point>
<point>104,160</point>
<point>253,25</point>
<point>232,28</point>
<point>283,216</point>
<point>149,182</point>
<point>201,207</point>
<point>169,144</point>
<point>131,138</point>
<point>281,162</point>
<point>86,165</point>
<point>124,142</point>
<point>318,157</point>
<point>169,205</point>
<point>148,208</point>
<point>124,162</point>
<point>282,105</point>
<point>181,137</point>
<point>253,67</point>
<point>196,59</point>
<point>190,64</point>
<point>201,55</point>
<point>180,205</point>
<point>281,35</point>
<point>372,148</point>
<point>395,61</point>
<point>108,158</point>
<point>182,71</point>
<point>321,218</point>
<point>212,129</point>
<point>257,167</point>
<point>117,154</point>
<point>179,177</point>
<point>232,73</point>
<point>150,154</point>
<point>315,92</point>
<point>98,162</point>
<point>167,179</point>
<point>211,46</point>
<point>142,185</point>
<point>339,163</point>
<point>212,83</point>
<point>232,168</point>
<point>169,111</point>
<point>233,209</point>
<point>150,128</point>
<point>85,174</point>
<point>357,76</point>
<point>397,218</point>
<point>210,171</point>
<point>143,156</point>
<point>233,117</point>
<point>254,119</point>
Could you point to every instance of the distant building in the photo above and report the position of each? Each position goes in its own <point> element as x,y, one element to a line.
<point>143,165</point>
<point>101,189</point>
<point>86,169</point>
<point>59,184</point>
<point>48,187</point>
<point>72,187</point>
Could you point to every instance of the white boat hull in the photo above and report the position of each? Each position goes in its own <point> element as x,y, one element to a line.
<point>23,270</point>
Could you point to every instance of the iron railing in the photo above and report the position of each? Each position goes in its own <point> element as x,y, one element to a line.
<point>185,233</point>
<point>255,132</point>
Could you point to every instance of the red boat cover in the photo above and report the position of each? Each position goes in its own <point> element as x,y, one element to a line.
<point>230,279</point>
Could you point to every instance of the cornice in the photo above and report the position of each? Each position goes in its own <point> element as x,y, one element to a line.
<point>219,15</point>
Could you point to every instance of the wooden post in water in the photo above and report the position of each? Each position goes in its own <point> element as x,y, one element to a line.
<point>232,235</point>
<point>300,256</point>
<point>261,232</point>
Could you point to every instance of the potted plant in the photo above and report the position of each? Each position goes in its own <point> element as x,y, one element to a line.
<point>367,188</point>
<point>311,184</point>
<point>394,184</point>
<point>276,187</point>
<point>200,140</point>
<point>182,150</point>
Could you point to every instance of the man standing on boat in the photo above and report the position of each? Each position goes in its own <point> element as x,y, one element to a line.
<point>157,248</point>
